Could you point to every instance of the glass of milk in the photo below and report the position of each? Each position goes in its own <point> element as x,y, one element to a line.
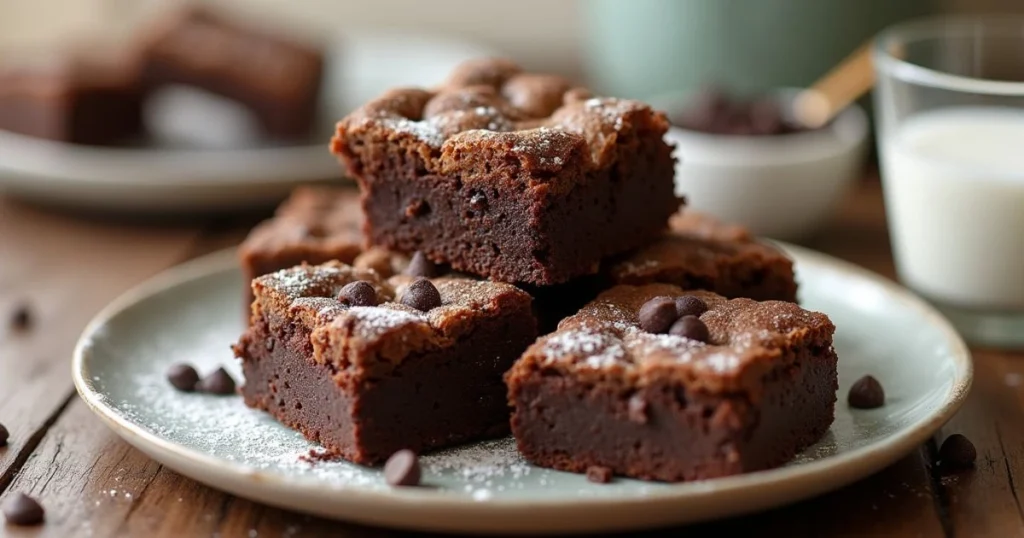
<point>949,101</point>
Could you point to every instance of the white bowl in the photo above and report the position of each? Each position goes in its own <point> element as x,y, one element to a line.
<point>782,187</point>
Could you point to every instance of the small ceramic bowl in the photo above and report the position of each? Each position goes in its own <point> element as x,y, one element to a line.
<point>779,186</point>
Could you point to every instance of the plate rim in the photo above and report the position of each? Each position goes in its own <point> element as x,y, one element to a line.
<point>846,467</point>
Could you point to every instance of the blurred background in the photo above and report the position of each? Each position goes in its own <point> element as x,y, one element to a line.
<point>699,37</point>
<point>665,52</point>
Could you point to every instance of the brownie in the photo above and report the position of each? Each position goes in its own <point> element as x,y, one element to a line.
<point>315,224</point>
<point>758,386</point>
<point>82,98</point>
<point>366,381</point>
<point>275,76</point>
<point>701,252</point>
<point>518,177</point>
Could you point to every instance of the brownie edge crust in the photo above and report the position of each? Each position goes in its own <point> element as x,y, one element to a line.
<point>601,392</point>
<point>367,381</point>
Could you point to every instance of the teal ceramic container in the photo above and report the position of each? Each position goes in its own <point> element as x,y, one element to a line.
<point>647,48</point>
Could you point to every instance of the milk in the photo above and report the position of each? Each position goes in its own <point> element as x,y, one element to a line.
<point>954,193</point>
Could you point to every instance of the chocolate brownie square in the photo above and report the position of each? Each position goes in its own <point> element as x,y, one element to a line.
<point>513,176</point>
<point>80,98</point>
<point>658,383</point>
<point>367,366</point>
<point>701,252</point>
<point>275,76</point>
<point>315,224</point>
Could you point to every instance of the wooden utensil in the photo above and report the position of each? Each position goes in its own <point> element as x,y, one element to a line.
<point>844,84</point>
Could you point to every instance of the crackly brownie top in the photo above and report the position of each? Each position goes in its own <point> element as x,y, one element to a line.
<point>312,217</point>
<point>375,339</point>
<point>746,339</point>
<point>490,106</point>
<point>698,244</point>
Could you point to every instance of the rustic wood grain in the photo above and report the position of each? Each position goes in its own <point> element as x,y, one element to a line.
<point>64,270</point>
<point>986,501</point>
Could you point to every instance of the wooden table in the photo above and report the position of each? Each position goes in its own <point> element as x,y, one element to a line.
<point>93,484</point>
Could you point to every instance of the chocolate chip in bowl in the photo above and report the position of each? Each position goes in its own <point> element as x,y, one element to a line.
<point>712,110</point>
<point>743,159</point>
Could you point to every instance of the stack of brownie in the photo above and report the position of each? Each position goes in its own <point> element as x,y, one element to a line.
<point>498,207</point>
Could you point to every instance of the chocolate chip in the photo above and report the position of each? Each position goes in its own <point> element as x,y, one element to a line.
<point>866,393</point>
<point>599,474</point>
<point>358,293</point>
<point>638,409</point>
<point>402,469</point>
<point>20,509</point>
<point>419,265</point>
<point>183,377</point>
<point>957,451</point>
<point>705,108</point>
<point>657,315</point>
<point>422,295</point>
<point>4,436</point>
<point>688,305</point>
<point>690,327</point>
<point>765,116</point>
<point>21,319</point>
<point>218,382</point>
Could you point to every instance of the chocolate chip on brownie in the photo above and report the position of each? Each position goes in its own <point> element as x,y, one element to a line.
<point>957,451</point>
<point>402,469</point>
<point>690,327</point>
<point>422,295</point>
<point>23,510</point>
<point>657,315</point>
<point>183,377</point>
<point>599,474</point>
<point>688,305</point>
<point>866,393</point>
<point>419,265</point>
<point>218,382</point>
<point>358,293</point>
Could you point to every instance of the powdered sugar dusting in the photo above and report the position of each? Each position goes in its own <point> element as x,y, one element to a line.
<point>487,467</point>
<point>593,349</point>
<point>426,132</point>
<point>610,110</point>
<point>434,130</point>
<point>303,281</point>
<point>374,321</point>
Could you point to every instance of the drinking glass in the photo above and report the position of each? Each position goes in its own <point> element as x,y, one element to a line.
<point>949,104</point>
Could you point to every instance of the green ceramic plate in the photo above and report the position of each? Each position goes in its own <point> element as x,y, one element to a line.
<point>193,313</point>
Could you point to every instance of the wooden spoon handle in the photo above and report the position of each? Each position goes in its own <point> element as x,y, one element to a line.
<point>844,84</point>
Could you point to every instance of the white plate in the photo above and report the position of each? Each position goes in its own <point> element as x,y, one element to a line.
<point>220,168</point>
<point>192,313</point>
